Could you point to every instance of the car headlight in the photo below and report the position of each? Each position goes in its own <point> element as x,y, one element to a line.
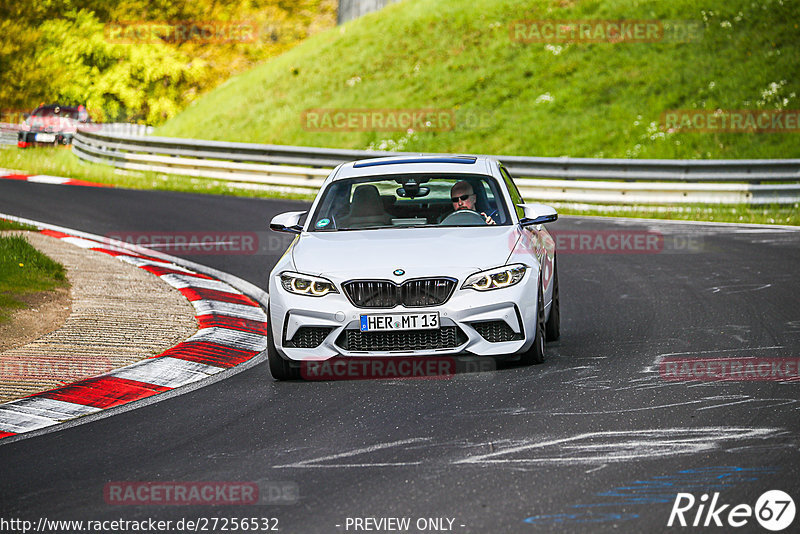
<point>305,284</point>
<point>496,278</point>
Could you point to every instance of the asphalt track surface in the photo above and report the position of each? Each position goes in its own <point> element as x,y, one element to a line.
<point>593,440</point>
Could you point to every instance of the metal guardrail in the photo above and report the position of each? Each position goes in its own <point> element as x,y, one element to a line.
<point>8,133</point>
<point>123,128</point>
<point>353,9</point>
<point>554,179</point>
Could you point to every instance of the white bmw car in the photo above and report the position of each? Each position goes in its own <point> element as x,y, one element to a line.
<point>414,257</point>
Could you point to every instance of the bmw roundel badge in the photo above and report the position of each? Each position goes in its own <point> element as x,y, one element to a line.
<point>399,272</point>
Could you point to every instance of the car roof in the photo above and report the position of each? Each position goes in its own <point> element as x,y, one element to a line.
<point>53,106</point>
<point>409,164</point>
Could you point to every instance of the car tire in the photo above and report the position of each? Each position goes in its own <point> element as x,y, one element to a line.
<point>535,354</point>
<point>279,368</point>
<point>552,329</point>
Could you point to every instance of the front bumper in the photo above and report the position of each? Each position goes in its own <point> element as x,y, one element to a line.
<point>29,138</point>
<point>491,323</point>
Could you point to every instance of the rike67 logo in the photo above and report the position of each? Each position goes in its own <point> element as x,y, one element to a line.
<point>774,510</point>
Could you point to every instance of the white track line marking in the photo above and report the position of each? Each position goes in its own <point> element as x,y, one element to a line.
<point>242,311</point>
<point>82,243</point>
<point>231,338</point>
<point>19,423</point>
<point>356,452</point>
<point>181,281</point>
<point>139,262</point>
<point>46,179</point>
<point>33,413</point>
<point>616,446</point>
<point>51,408</point>
<point>167,372</point>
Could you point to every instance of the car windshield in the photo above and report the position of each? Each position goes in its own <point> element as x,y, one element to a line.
<point>408,201</point>
<point>70,113</point>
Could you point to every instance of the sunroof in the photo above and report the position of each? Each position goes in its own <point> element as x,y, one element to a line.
<point>465,160</point>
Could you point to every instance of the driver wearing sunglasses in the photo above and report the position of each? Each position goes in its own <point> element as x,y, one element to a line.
<point>463,198</point>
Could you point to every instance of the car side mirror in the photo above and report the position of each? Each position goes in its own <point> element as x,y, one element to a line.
<point>537,214</point>
<point>287,222</point>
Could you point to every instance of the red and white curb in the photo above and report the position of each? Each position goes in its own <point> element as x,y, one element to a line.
<point>232,330</point>
<point>47,179</point>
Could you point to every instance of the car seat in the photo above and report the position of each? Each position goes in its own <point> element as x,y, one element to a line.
<point>366,209</point>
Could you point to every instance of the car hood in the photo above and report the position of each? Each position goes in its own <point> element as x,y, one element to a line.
<point>53,124</point>
<point>417,251</point>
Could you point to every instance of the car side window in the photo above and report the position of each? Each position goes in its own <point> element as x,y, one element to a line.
<point>496,202</point>
<point>516,197</point>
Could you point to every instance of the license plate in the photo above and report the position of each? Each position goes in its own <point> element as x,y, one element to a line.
<point>45,138</point>
<point>400,321</point>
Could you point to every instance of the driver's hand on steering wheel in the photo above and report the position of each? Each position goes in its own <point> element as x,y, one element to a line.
<point>488,218</point>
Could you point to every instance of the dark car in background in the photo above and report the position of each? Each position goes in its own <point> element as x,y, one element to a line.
<point>52,124</point>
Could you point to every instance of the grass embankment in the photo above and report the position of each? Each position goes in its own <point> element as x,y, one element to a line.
<point>516,98</point>
<point>24,270</point>
<point>12,225</point>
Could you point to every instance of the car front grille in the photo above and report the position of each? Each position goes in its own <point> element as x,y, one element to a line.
<point>426,292</point>
<point>403,340</point>
<point>308,337</point>
<point>496,331</point>
<point>412,294</point>
<point>372,293</point>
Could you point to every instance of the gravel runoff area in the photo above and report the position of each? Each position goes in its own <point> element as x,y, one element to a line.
<point>119,314</point>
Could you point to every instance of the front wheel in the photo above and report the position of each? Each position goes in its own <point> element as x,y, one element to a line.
<point>535,354</point>
<point>552,328</point>
<point>278,366</point>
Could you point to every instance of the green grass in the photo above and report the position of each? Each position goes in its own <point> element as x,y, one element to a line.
<point>61,162</point>
<point>11,225</point>
<point>23,270</point>
<point>514,98</point>
<point>744,214</point>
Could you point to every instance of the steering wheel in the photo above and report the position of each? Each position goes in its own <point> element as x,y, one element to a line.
<point>464,218</point>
